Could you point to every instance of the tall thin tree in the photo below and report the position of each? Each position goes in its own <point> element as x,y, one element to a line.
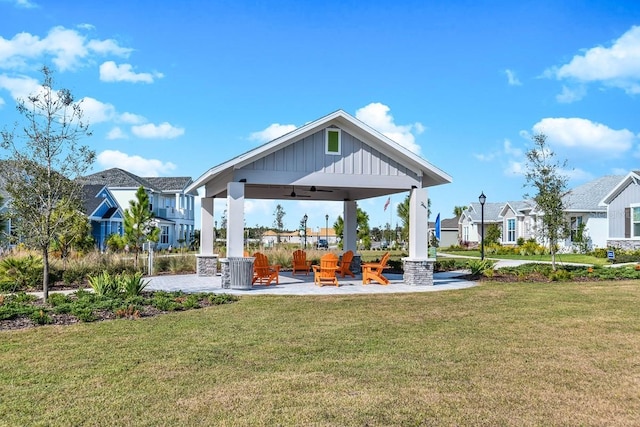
<point>139,226</point>
<point>44,160</point>
<point>544,174</point>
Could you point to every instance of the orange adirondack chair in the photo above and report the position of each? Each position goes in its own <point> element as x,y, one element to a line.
<point>345,264</point>
<point>300,262</point>
<point>373,271</point>
<point>264,273</point>
<point>325,273</point>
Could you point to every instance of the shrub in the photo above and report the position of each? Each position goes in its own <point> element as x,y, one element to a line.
<point>217,299</point>
<point>41,317</point>
<point>131,284</point>
<point>478,266</point>
<point>21,273</point>
<point>56,299</point>
<point>103,284</point>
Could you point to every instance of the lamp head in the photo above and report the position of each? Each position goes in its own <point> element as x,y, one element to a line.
<point>482,198</point>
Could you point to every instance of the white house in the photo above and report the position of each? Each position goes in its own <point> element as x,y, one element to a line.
<point>622,205</point>
<point>521,219</point>
<point>171,203</point>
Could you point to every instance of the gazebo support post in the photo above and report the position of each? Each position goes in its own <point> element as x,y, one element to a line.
<point>350,233</point>
<point>418,268</point>
<point>237,271</point>
<point>207,261</point>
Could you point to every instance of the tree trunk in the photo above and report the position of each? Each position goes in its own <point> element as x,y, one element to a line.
<point>45,273</point>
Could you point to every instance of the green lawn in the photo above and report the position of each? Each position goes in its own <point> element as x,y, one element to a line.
<point>560,258</point>
<point>496,354</point>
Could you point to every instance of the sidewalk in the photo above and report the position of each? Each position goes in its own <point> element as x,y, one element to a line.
<point>303,285</point>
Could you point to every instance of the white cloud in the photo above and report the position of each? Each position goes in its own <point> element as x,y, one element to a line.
<point>2,102</point>
<point>19,87</point>
<point>112,72</point>
<point>515,168</point>
<point>116,133</point>
<point>485,157</point>
<point>569,95</point>
<point>161,131</point>
<point>66,47</point>
<point>272,132</point>
<point>134,164</point>
<point>512,79</point>
<point>130,118</point>
<point>377,116</point>
<point>95,111</point>
<point>615,66</point>
<point>510,150</point>
<point>619,171</point>
<point>25,4</point>
<point>583,136</point>
<point>577,174</point>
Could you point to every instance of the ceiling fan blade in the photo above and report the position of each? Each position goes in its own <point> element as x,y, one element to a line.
<point>313,189</point>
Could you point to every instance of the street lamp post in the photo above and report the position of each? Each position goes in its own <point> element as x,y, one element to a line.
<point>326,230</point>
<point>304,218</point>
<point>482,198</point>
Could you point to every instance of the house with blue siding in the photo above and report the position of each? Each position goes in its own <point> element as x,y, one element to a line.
<point>104,214</point>
<point>170,202</point>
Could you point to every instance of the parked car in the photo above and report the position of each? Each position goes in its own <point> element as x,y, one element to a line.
<point>323,244</point>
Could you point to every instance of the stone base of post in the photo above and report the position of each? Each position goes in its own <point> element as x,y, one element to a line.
<point>207,265</point>
<point>356,264</point>
<point>418,272</point>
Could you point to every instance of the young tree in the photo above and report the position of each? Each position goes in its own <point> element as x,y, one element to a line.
<point>75,231</point>
<point>44,161</point>
<point>457,210</point>
<point>362,220</point>
<point>278,223</point>
<point>493,234</point>
<point>139,227</point>
<point>544,174</point>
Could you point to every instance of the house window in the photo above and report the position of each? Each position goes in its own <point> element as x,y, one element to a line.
<point>511,230</point>
<point>465,233</point>
<point>164,236</point>
<point>635,221</point>
<point>333,141</point>
<point>575,223</point>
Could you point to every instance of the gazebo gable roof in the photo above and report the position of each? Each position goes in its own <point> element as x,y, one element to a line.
<point>294,159</point>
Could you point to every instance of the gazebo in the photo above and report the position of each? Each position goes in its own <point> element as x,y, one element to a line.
<point>334,158</point>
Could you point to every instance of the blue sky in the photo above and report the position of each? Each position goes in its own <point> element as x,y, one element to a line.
<point>174,88</point>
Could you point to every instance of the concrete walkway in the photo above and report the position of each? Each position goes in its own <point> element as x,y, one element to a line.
<point>303,285</point>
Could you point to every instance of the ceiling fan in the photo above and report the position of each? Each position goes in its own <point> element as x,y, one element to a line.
<point>313,189</point>
<point>294,194</point>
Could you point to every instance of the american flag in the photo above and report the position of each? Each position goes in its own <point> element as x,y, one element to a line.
<point>386,205</point>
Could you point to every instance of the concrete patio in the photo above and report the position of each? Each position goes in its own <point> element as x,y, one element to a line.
<point>301,284</point>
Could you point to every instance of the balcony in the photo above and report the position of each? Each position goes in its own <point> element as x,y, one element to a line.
<point>176,213</point>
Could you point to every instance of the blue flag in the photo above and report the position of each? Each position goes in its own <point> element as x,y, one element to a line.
<point>438,227</point>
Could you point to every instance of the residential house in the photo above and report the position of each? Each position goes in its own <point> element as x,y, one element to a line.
<point>449,232</point>
<point>623,212</point>
<point>583,206</point>
<point>171,204</point>
<point>270,237</point>
<point>104,213</point>
<point>521,219</point>
<point>471,221</point>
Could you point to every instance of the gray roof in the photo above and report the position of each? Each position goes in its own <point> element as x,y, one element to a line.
<point>89,200</point>
<point>491,211</point>
<point>171,183</point>
<point>116,178</point>
<point>119,178</point>
<point>587,196</point>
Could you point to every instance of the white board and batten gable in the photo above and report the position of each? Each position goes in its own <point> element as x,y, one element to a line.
<point>623,212</point>
<point>336,157</point>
